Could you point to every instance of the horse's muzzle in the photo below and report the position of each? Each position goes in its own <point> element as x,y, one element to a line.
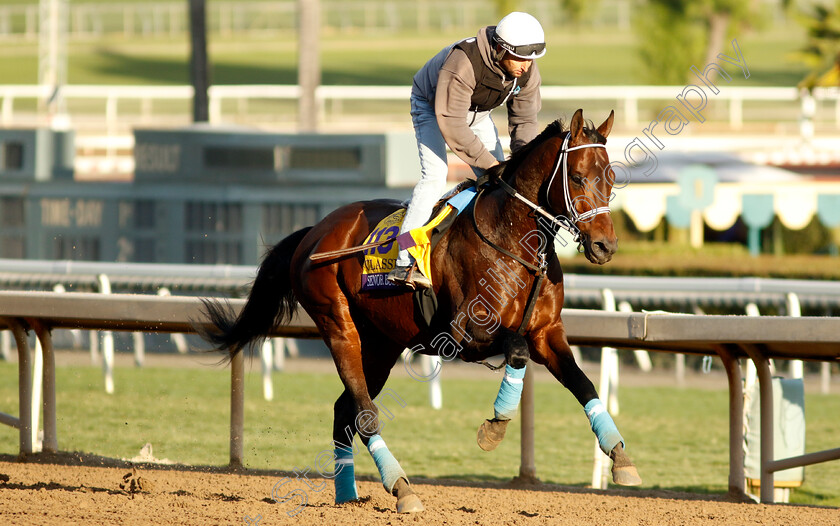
<point>600,251</point>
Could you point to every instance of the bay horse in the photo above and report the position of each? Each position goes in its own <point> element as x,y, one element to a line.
<point>496,279</point>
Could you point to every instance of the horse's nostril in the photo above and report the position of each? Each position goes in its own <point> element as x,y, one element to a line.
<point>604,247</point>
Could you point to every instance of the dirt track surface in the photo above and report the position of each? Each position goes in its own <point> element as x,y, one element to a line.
<point>69,489</point>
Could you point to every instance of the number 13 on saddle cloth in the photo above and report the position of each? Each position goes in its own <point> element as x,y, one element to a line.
<point>419,242</point>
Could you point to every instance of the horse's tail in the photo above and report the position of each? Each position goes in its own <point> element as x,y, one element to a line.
<point>271,302</point>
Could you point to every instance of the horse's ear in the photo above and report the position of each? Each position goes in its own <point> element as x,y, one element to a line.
<point>576,126</point>
<point>605,127</point>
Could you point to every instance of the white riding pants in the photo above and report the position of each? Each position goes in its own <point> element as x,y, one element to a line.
<point>433,165</point>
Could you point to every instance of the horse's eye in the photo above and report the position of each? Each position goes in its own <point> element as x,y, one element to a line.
<point>578,180</point>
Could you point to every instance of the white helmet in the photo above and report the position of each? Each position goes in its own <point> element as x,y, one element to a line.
<point>521,35</point>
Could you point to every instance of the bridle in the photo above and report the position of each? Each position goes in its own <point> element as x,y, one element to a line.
<point>567,223</point>
<point>570,205</point>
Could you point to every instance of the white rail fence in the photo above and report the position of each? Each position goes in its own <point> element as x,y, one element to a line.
<point>104,116</point>
<point>729,337</point>
<point>121,107</point>
<point>609,293</point>
<point>170,19</point>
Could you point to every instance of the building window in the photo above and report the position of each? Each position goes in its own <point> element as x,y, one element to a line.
<point>12,212</point>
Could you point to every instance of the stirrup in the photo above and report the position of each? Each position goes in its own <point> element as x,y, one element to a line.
<point>410,277</point>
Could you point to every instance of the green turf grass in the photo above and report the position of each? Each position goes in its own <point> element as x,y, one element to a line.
<point>574,58</point>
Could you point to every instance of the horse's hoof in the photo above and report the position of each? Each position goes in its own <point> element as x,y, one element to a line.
<point>624,473</point>
<point>627,476</point>
<point>407,500</point>
<point>409,504</point>
<point>491,433</point>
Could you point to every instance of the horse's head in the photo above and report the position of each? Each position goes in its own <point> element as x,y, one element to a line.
<point>581,186</point>
<point>568,174</point>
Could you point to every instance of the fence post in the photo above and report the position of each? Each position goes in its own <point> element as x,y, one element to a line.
<point>609,363</point>
<point>527,464</point>
<point>609,395</point>
<point>94,347</point>
<point>178,339</point>
<point>107,342</point>
<point>5,346</point>
<point>37,389</point>
<point>679,367</point>
<point>430,364</point>
<point>642,356</point>
<point>825,378</point>
<point>237,407</point>
<point>215,104</point>
<point>279,354</point>
<point>797,369</point>
<point>24,386</point>
<point>266,361</point>
<point>750,373</point>
<point>50,442</point>
<point>139,349</point>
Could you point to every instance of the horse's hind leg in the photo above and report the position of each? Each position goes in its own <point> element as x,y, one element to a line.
<point>559,360</point>
<point>355,412</point>
<point>343,433</point>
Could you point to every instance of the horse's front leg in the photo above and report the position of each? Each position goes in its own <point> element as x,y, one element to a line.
<point>515,349</point>
<point>552,347</point>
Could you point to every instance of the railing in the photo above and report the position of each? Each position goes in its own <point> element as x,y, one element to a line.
<point>45,311</point>
<point>581,290</point>
<point>766,119</point>
<point>170,19</point>
<point>610,293</point>
<point>120,108</point>
<point>83,276</point>
<point>729,337</point>
<point>686,293</point>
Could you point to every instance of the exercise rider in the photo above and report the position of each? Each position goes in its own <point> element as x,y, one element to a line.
<point>451,99</point>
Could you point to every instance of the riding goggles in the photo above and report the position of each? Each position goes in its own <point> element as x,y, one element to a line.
<point>525,50</point>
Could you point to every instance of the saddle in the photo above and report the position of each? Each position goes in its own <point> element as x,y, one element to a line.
<point>381,257</point>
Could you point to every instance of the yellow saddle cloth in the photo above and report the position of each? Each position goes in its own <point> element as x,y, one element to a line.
<point>380,260</point>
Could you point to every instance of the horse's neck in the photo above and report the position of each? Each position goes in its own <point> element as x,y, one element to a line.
<point>509,224</point>
<point>537,168</point>
<point>511,218</point>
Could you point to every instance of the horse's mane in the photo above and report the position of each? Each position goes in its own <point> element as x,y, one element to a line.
<point>555,129</point>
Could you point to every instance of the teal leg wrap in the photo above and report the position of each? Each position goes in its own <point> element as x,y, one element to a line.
<point>510,392</point>
<point>345,476</point>
<point>603,425</point>
<point>389,469</point>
